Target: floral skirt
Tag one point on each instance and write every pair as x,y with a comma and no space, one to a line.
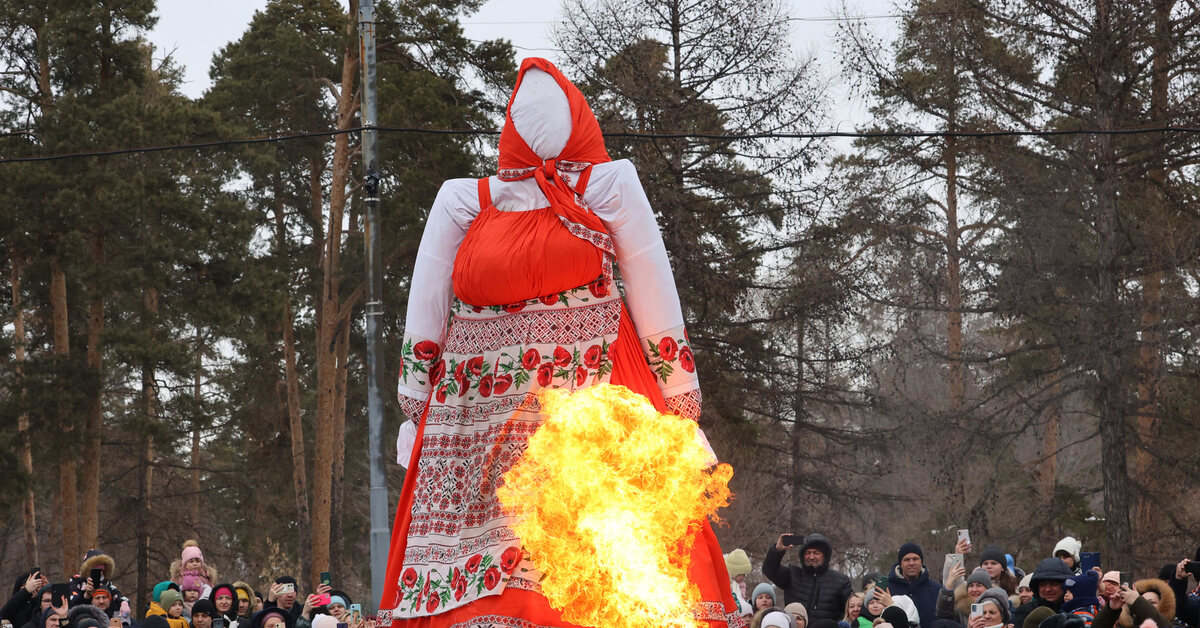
452,545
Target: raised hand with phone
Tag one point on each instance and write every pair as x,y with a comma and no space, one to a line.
813,583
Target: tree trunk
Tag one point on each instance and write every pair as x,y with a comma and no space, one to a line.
1047,472
295,421
146,476
1113,462
795,511
28,509
338,493
94,426
331,317
1150,366
197,381
954,301
67,482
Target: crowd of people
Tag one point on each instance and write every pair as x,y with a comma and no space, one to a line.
1059,593
984,590
193,597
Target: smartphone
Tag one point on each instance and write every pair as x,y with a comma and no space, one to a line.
792,539
322,600
1125,578
976,610
964,535
1193,567
1087,560
355,613
218,622
342,624
953,560
60,592
881,582
287,587
326,578
97,574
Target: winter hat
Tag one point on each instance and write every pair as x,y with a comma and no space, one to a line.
156,621
1037,616
321,620
163,586
86,616
796,608
46,615
737,563
1111,576
773,619
191,551
909,607
980,576
260,618
993,552
763,587
909,548
337,599
102,592
1025,582
999,597
1082,586
818,542
1070,546
191,583
895,616
1051,570
169,597
204,606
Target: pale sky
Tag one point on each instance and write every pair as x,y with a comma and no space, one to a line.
193,31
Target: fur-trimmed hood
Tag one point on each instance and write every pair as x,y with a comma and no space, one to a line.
1166,602
245,586
96,559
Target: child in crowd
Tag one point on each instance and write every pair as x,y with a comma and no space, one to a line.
191,563
172,601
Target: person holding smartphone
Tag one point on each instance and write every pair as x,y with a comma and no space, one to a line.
1048,589
823,591
1140,608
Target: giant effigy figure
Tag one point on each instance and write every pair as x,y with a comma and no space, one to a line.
513,293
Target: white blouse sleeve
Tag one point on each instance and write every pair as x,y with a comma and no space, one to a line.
615,193
431,291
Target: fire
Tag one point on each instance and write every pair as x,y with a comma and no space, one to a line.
607,498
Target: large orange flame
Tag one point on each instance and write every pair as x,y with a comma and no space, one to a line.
607,499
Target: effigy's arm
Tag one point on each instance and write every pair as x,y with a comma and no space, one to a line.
431,293
616,195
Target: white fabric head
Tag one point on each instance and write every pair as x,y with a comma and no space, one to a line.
776,619
541,114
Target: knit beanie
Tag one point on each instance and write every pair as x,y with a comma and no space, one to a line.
169,597
321,620
993,552
999,597
1070,546
1082,586
737,563
190,552
1111,576
337,599
909,548
160,587
773,619
980,576
102,592
205,606
763,587
190,583
1025,582
895,616
796,608
1037,616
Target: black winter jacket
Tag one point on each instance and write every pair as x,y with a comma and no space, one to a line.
822,591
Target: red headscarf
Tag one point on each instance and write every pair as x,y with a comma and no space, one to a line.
584,147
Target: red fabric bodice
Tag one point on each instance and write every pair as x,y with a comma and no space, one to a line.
508,257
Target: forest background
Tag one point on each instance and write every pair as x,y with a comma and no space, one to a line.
897,337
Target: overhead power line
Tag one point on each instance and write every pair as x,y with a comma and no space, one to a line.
632,135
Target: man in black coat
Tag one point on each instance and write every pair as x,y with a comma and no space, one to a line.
1048,589
821,590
